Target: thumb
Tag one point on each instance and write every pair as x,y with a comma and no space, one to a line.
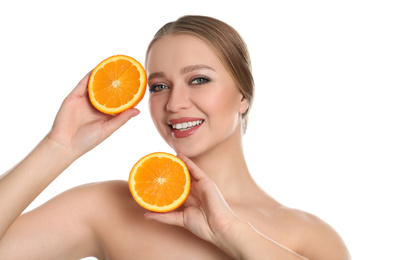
119,120
170,218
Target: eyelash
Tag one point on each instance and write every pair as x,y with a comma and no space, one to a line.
154,88
205,80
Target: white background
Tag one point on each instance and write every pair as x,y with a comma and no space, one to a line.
321,133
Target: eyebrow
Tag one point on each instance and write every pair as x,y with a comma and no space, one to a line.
184,70
156,75
195,67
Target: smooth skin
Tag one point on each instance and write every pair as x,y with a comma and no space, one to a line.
226,216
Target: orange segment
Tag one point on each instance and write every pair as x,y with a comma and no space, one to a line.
160,182
116,84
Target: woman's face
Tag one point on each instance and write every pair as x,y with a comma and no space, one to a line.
194,102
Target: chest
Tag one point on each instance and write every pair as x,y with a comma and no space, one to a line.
159,241
125,234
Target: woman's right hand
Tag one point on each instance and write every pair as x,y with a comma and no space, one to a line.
79,127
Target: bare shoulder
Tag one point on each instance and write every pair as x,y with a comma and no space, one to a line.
98,203
107,190
67,225
316,239
93,196
123,232
116,220
106,199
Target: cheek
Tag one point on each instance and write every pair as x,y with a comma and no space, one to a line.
151,107
155,109
222,104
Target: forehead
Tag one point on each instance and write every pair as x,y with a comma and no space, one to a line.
178,51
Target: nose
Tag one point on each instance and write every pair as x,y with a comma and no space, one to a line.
178,99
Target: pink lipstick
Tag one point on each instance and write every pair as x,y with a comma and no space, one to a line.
184,127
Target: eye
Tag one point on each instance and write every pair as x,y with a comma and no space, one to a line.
157,88
200,80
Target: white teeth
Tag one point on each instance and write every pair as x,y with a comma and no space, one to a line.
186,125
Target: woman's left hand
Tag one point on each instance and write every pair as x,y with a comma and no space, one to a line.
206,213
208,216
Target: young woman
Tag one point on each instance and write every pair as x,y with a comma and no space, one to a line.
198,71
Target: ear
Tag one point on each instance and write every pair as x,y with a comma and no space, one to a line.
243,105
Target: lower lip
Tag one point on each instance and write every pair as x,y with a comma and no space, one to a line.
186,133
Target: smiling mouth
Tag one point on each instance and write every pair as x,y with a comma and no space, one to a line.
186,125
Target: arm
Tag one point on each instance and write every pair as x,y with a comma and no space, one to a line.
208,216
78,128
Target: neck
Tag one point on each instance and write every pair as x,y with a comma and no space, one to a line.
227,166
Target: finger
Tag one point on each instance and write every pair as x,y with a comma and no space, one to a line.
117,121
194,170
82,86
171,218
211,190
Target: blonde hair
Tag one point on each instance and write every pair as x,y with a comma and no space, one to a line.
226,42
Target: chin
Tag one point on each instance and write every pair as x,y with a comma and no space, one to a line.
189,151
